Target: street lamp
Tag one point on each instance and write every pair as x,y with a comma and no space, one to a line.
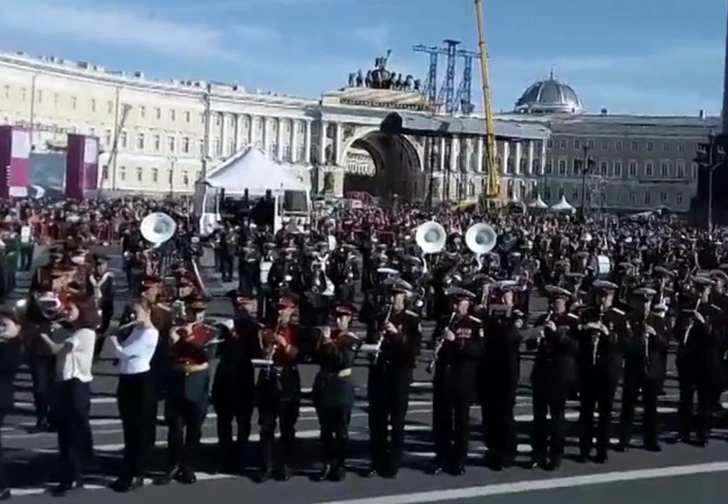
586,164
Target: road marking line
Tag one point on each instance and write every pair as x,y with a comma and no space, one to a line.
540,484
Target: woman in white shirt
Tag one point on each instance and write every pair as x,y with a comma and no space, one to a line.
135,395
74,358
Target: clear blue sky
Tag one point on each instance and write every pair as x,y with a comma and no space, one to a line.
647,56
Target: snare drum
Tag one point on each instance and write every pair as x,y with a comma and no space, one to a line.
602,265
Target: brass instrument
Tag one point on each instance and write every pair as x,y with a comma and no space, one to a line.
542,333
376,347
438,345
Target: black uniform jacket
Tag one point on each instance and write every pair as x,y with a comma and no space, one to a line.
644,357
456,370
554,366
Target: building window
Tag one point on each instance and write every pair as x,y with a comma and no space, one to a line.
140,141
634,146
105,172
109,107
562,144
155,175
231,147
680,147
22,94
603,167
664,170
680,170
157,143
201,147
74,102
140,174
577,144
631,197
562,167
618,145
123,139
186,145
188,117
648,198
650,146
172,115
605,145
157,113
574,195
122,173
171,144
185,179
679,198
549,142
590,144
39,96
693,170
92,105
549,166
107,138
618,169
663,197
216,147
649,169
142,111
286,153
218,119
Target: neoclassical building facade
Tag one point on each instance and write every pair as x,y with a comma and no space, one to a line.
157,137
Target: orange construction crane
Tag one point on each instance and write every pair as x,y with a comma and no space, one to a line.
492,189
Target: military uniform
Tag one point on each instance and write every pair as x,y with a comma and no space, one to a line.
333,396
455,388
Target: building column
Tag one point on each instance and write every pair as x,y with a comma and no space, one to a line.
505,158
529,168
442,155
480,152
253,133
518,157
266,135
322,142
454,168
210,137
238,132
224,136
294,141
338,145
279,139
307,143
542,168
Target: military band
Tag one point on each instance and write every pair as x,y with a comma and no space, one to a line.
601,331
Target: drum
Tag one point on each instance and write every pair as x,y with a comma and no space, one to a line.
265,267
601,265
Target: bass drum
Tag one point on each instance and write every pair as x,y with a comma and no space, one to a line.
602,266
265,267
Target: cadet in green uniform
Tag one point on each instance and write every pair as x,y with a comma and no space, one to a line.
333,391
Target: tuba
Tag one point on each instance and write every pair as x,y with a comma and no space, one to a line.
480,240
158,228
431,238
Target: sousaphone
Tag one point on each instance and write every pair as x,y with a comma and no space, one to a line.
158,228
480,240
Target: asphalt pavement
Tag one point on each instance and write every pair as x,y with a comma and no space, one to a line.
678,474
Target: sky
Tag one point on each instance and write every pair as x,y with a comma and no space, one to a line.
630,56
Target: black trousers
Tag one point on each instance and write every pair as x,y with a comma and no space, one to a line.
631,389
138,411
549,434
75,445
186,409
690,386
226,266
271,412
595,396
42,371
387,406
450,414
4,483
499,423
334,423
240,410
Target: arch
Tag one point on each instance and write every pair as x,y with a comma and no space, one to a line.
398,165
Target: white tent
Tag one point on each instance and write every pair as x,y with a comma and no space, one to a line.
538,203
251,169
562,206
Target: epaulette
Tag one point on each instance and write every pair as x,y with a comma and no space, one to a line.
410,312
476,319
573,315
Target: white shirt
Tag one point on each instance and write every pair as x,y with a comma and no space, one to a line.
77,356
135,353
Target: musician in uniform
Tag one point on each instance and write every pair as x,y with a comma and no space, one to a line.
552,377
278,389
697,363
457,355
233,387
390,377
599,363
499,375
645,341
719,297
101,284
333,391
187,390
11,352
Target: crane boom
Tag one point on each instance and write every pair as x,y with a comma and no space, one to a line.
492,189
